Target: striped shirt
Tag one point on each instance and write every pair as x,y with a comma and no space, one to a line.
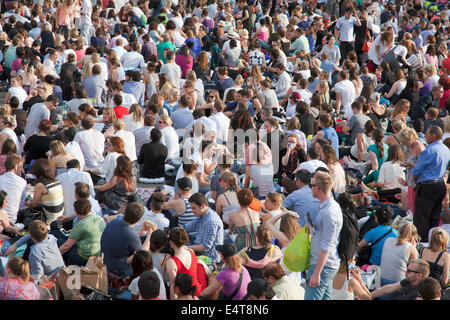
187,216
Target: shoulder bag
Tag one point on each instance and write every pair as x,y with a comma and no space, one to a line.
367,42
366,251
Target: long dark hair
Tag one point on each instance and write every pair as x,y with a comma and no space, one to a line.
142,261
378,136
123,171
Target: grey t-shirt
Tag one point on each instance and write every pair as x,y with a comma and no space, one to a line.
356,124
38,113
270,98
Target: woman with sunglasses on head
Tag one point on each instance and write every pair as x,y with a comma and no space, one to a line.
227,202
295,154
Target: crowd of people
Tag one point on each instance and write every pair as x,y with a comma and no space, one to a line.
189,143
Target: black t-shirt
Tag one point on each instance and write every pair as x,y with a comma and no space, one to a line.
408,292
256,254
36,147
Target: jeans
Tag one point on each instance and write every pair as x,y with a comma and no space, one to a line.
324,289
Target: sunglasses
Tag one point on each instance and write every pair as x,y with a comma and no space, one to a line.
409,270
312,185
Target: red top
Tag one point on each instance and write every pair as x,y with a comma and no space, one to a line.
192,271
121,111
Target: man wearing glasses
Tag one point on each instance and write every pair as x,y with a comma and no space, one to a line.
325,261
406,289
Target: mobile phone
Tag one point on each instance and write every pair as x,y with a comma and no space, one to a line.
64,232
351,266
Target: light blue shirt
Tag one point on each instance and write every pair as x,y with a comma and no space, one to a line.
432,162
302,201
325,233
45,257
181,118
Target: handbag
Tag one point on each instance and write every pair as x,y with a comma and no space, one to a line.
298,253
26,216
367,43
366,251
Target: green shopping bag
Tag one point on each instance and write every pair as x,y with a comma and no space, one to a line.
297,255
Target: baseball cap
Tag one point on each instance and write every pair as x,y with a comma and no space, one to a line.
296,96
184,184
227,250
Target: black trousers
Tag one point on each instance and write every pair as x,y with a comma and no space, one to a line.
345,48
428,207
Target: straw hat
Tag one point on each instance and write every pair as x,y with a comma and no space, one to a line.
243,33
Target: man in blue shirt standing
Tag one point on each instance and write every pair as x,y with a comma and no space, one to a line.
325,261
429,173
207,225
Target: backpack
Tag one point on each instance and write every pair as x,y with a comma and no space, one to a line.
348,237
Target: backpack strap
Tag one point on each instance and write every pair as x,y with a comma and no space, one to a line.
384,235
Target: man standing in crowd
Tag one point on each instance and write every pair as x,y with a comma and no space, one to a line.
325,261
429,173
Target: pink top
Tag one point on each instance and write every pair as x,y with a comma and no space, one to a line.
184,64
433,60
263,35
15,289
64,15
16,64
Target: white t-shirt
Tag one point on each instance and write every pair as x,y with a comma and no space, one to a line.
20,93
348,95
134,289
373,53
389,174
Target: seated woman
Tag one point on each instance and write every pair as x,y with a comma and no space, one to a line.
364,139
84,238
327,132
227,280
390,173
115,148
244,221
16,284
328,156
353,288
260,172
6,225
272,207
120,188
58,158
8,147
397,126
227,202
37,145
180,207
48,192
295,154
382,232
400,112
108,118
256,257
397,87
184,260
378,154
437,256
153,156
134,120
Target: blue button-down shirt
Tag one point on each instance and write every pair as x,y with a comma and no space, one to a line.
432,162
325,235
302,202
137,89
209,230
45,257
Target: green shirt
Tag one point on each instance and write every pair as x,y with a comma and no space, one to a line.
10,55
87,233
163,45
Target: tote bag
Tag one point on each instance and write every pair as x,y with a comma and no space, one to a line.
297,255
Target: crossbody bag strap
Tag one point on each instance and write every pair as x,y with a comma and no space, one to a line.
384,235
238,287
